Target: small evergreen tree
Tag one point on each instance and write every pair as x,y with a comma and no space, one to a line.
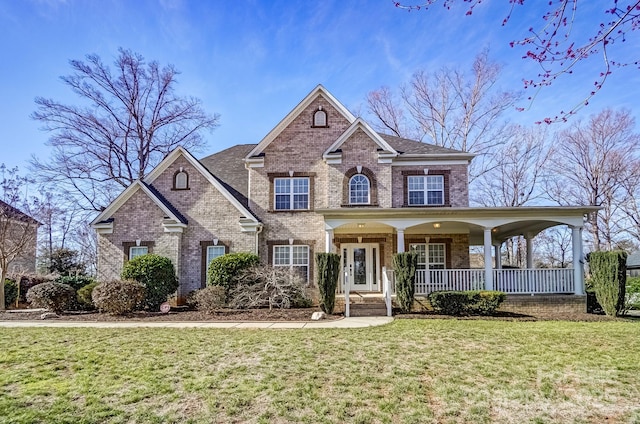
608,279
226,269
328,273
405,269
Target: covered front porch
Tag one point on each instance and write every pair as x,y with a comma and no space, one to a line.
367,238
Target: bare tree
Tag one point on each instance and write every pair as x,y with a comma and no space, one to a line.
554,248
449,109
518,169
130,119
18,230
592,162
554,44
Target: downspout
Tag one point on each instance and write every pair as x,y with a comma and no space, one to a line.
258,231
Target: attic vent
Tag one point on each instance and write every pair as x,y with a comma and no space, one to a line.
320,118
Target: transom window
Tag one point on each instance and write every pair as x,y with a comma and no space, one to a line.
359,190
135,251
425,190
431,255
294,256
291,193
214,252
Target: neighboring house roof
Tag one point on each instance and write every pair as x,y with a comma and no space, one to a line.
15,213
228,167
633,260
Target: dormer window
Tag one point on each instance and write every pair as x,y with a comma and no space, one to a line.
181,180
320,118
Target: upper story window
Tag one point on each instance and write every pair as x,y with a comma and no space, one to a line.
181,180
425,190
359,190
320,118
291,193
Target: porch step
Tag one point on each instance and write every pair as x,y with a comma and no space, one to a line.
368,309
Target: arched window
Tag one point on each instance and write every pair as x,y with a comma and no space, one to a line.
359,190
320,118
181,180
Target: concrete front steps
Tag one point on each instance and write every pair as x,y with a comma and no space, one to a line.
363,305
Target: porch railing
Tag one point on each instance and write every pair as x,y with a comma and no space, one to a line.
430,280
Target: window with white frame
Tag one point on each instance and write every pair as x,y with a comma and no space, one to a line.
181,180
135,251
320,118
425,190
295,257
214,252
431,255
359,190
291,193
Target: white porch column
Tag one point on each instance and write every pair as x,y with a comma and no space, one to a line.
529,240
328,246
400,239
498,255
578,271
488,266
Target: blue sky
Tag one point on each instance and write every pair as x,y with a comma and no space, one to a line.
253,61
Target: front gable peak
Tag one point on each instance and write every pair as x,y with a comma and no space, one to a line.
256,154
386,153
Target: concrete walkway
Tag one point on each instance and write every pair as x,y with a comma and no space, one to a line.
358,322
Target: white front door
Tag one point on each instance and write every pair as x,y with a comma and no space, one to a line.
361,266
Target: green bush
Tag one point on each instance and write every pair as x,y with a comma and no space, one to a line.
209,299
77,282
608,279
10,292
225,270
328,274
84,295
27,281
56,297
405,271
472,302
632,293
158,276
118,297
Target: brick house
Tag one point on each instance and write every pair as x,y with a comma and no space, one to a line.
19,234
324,180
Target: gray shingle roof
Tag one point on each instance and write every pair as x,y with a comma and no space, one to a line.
228,168
407,146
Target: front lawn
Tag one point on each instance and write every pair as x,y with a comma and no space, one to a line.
409,371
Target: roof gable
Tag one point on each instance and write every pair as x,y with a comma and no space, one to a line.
291,116
359,124
219,185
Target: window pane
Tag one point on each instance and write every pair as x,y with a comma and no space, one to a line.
283,201
420,249
300,201
415,183
301,185
434,198
300,255
437,256
281,255
138,251
214,252
435,182
416,197
181,180
282,185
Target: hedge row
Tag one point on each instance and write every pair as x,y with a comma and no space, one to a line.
472,302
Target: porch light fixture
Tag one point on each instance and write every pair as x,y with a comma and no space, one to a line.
361,225
436,225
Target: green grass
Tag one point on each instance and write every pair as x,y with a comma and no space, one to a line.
411,371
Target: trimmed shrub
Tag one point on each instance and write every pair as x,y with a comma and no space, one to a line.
27,281
265,286
225,270
608,279
328,274
209,299
77,282
56,297
84,295
472,302
405,270
118,297
10,292
158,276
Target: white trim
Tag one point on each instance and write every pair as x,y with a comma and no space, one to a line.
428,162
388,152
318,91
